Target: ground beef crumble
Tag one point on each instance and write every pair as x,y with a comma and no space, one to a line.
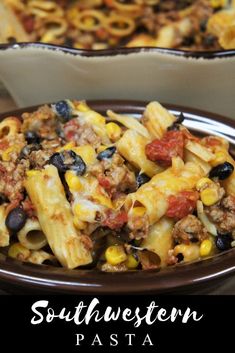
42,121
223,214
114,175
189,229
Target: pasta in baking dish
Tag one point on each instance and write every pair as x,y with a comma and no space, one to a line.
100,24
80,189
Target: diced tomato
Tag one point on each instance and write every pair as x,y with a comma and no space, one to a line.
101,33
104,182
162,151
28,23
70,129
115,220
182,204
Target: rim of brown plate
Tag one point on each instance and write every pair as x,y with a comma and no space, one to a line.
120,51
80,281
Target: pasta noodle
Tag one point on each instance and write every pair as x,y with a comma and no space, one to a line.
160,239
100,24
157,119
31,236
55,218
112,192
40,256
132,147
4,233
153,195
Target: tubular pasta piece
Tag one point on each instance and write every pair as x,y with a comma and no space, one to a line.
200,151
210,227
129,122
89,198
40,256
170,35
58,27
44,9
157,119
125,25
9,127
55,217
159,239
154,194
191,157
221,20
141,40
227,37
122,6
16,5
89,20
132,147
31,235
166,37
10,27
4,233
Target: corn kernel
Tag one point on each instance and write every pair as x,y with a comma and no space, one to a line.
131,262
18,251
73,181
114,131
209,196
79,224
66,147
206,247
220,157
138,211
6,154
202,183
32,172
84,213
115,255
87,153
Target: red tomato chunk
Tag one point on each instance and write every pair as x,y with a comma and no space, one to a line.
70,129
104,182
182,204
115,220
28,23
162,151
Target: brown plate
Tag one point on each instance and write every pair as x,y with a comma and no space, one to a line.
196,277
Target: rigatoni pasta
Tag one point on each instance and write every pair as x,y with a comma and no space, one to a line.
55,217
80,189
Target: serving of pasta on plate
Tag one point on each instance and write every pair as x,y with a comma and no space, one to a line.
201,25
80,189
